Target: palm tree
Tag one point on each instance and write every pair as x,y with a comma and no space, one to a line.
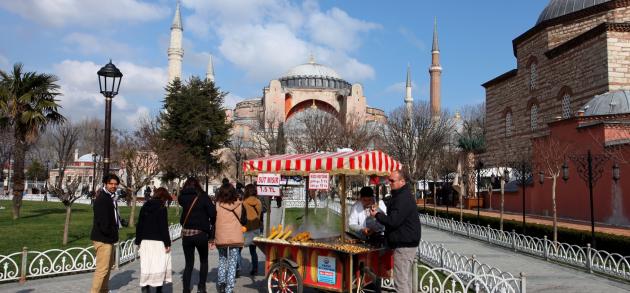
27,106
471,141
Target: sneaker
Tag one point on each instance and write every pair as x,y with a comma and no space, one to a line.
221,287
238,274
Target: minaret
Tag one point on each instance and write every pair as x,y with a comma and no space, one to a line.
435,71
210,70
408,97
175,50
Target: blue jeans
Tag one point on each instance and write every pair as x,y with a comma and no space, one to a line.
228,257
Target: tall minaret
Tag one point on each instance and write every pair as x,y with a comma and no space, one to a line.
408,97
435,71
175,50
210,70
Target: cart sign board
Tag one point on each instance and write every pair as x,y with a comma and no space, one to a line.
326,269
268,190
268,184
268,179
318,181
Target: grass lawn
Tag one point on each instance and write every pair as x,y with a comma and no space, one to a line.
322,219
40,226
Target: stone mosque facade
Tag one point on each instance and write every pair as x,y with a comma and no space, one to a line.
577,51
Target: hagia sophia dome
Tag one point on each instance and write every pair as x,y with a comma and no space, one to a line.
313,75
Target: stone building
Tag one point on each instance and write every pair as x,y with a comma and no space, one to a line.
302,87
576,50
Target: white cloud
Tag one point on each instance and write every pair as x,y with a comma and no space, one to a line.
85,12
336,29
265,38
81,99
87,44
263,51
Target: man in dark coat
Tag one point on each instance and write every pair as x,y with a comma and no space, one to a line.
402,229
104,234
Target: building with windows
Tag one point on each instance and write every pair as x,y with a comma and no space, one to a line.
571,84
576,50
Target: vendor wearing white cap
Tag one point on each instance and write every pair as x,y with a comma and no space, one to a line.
360,221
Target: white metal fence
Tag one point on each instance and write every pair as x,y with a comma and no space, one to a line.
592,260
29,264
448,271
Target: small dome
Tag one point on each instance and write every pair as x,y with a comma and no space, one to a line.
617,102
87,158
311,69
557,8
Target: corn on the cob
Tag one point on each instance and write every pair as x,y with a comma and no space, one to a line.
286,235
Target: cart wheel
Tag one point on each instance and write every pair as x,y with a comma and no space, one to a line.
283,278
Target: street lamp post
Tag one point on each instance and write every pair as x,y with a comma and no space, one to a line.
479,167
207,166
524,172
46,183
590,168
238,165
109,78
94,155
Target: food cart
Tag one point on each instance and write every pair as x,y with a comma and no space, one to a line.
340,263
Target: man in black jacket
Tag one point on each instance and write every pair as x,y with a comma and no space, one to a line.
402,229
105,232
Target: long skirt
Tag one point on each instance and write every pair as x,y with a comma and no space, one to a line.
155,264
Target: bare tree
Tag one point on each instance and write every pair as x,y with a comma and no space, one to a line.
550,156
267,135
415,140
354,133
68,196
313,130
64,139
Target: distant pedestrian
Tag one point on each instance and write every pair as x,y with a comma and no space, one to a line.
154,239
254,208
104,234
402,230
231,217
197,220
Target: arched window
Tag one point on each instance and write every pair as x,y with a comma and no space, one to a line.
533,76
566,106
508,124
533,112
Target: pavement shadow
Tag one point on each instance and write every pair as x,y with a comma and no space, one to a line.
121,279
25,291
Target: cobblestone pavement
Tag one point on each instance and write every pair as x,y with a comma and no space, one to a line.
542,276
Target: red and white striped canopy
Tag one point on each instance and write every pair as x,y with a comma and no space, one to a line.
351,163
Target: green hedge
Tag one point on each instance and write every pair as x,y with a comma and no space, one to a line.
608,242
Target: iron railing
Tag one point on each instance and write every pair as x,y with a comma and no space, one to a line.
587,258
29,264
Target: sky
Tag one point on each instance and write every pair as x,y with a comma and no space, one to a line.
255,41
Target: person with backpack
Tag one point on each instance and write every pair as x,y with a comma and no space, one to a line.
231,217
253,206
